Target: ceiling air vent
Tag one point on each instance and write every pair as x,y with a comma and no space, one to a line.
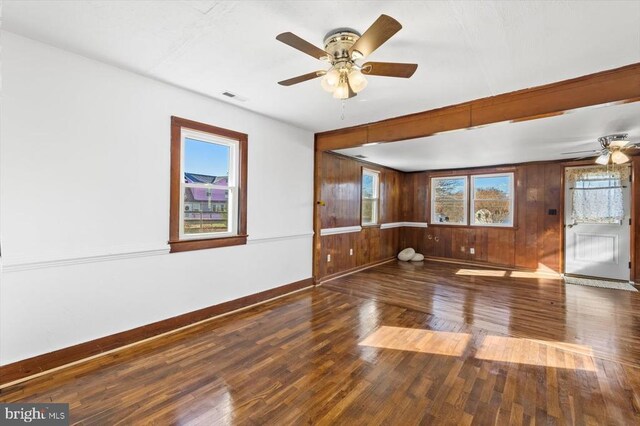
233,96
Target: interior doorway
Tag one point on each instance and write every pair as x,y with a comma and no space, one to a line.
597,221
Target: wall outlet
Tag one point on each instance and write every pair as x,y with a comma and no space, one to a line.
350,252
472,251
328,258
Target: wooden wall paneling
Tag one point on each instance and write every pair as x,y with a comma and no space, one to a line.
501,246
390,188
553,231
340,191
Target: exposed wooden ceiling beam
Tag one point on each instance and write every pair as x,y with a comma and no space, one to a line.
611,86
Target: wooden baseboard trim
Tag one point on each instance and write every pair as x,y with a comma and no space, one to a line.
353,270
23,370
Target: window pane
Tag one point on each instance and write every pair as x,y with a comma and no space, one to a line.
449,188
205,162
206,210
367,185
492,211
369,211
492,187
449,211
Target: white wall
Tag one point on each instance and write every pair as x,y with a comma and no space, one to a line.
84,203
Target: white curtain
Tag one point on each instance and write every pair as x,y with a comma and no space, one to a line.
596,193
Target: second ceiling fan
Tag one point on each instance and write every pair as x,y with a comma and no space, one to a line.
343,48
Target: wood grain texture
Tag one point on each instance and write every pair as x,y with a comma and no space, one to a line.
534,242
616,85
339,186
397,344
40,363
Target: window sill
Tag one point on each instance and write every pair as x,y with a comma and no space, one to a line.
207,243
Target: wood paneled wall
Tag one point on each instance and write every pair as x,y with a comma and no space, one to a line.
340,180
535,241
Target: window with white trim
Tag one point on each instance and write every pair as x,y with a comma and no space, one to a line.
492,199
449,200
370,197
209,185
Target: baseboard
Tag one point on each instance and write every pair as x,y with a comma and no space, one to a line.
354,270
21,370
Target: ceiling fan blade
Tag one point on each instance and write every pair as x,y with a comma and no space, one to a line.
301,78
302,45
594,151
379,32
389,69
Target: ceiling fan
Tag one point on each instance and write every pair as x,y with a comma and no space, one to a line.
343,48
611,151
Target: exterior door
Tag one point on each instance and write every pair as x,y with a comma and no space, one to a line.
597,221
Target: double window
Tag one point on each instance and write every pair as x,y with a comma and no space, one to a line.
208,186
370,197
488,203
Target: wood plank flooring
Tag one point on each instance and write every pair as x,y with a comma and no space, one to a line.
397,344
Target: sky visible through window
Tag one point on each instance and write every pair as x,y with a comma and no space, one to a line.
500,183
367,186
205,158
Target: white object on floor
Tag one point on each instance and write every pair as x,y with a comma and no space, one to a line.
406,254
616,285
417,257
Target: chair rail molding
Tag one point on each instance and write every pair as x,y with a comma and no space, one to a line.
341,230
404,224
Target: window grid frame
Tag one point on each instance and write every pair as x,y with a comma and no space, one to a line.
376,197
472,200
465,201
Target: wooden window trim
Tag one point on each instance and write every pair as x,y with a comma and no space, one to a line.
177,245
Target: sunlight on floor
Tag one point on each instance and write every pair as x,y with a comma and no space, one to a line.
481,273
513,274
536,352
417,340
492,348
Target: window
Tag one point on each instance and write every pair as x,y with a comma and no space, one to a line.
492,200
208,186
370,196
449,200
596,194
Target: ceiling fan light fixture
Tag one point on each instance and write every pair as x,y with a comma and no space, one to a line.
342,91
357,80
330,80
619,157
603,159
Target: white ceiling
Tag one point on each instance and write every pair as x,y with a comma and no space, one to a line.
465,50
506,143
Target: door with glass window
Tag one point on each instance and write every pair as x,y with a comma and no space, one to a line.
597,215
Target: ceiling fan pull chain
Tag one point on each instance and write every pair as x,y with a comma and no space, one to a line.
342,113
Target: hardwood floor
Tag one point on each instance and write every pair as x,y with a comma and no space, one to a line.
397,344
